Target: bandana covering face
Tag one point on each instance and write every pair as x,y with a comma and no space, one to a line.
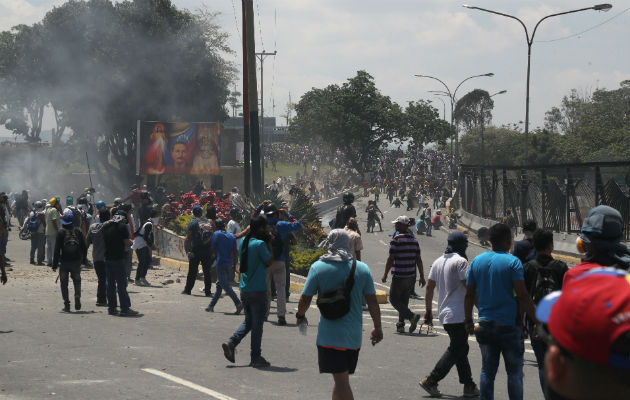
338,243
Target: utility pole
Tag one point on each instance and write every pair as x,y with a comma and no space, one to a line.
253,97
246,143
261,57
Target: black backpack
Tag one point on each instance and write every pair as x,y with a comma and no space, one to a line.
335,303
71,247
206,230
545,282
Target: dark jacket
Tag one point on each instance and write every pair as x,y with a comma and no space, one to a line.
66,259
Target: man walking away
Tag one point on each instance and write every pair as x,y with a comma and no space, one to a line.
587,329
543,275
143,242
524,249
70,252
95,237
448,274
255,251
36,225
52,227
404,258
493,278
198,248
224,246
116,237
339,340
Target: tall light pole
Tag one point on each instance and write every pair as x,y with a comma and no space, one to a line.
483,127
261,57
443,106
530,41
451,95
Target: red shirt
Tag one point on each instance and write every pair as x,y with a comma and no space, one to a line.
578,270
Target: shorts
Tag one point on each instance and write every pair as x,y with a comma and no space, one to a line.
336,361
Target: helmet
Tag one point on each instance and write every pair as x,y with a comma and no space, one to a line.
219,223
117,201
235,189
348,198
270,209
38,204
100,204
234,212
67,218
69,200
52,201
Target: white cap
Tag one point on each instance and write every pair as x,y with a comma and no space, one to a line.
403,219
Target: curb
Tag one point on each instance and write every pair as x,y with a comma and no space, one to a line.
381,295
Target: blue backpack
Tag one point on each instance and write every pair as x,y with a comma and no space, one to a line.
33,223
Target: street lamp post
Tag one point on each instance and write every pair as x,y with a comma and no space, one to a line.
451,96
530,41
483,126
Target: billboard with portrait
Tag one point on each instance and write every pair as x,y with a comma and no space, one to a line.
178,148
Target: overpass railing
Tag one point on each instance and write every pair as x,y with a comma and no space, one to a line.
557,196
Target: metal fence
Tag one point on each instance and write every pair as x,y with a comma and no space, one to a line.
557,197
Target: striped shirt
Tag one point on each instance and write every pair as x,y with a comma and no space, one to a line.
405,249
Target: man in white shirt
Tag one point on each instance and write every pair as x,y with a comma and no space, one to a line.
448,274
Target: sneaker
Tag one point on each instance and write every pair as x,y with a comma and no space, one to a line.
471,390
100,303
40,263
32,262
430,387
77,303
400,328
208,294
260,362
128,313
239,308
185,292
112,312
210,309
414,323
66,308
146,283
282,321
229,351
138,282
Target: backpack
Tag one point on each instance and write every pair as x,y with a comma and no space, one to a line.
71,247
545,283
335,303
277,244
33,223
76,217
205,233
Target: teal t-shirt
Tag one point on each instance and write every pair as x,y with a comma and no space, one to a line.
344,332
493,273
255,279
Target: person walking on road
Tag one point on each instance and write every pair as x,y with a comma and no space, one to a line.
524,249
52,227
339,340
70,253
448,275
143,243
35,223
493,278
95,237
198,248
224,246
404,258
256,257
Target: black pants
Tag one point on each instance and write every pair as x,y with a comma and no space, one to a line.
144,261
399,293
101,275
75,273
206,261
38,243
456,354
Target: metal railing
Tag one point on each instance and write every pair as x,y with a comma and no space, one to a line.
557,196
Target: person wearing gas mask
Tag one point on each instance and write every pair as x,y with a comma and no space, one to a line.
143,242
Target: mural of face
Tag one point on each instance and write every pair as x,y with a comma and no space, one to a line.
179,153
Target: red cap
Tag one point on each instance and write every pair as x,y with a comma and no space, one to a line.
590,314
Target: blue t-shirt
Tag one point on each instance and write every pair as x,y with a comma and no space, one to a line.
344,332
224,242
284,228
255,279
493,273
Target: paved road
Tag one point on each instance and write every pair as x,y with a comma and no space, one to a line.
173,350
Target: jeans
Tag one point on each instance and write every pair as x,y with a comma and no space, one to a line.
456,354
144,261
4,239
50,247
206,261
117,282
277,272
101,275
429,227
399,293
223,283
38,243
74,270
495,339
255,306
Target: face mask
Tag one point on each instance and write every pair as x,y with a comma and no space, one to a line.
155,221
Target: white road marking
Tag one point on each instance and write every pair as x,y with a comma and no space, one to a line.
188,384
383,243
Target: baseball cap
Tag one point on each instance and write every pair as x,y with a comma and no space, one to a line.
603,222
67,219
403,219
590,314
219,223
271,209
197,209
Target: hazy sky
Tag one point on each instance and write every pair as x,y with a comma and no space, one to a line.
326,41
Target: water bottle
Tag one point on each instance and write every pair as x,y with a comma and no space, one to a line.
303,327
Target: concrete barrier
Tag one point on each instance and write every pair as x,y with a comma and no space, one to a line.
170,245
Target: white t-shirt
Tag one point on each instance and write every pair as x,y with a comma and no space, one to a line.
233,227
448,272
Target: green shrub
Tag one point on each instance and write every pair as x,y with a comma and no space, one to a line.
179,224
302,258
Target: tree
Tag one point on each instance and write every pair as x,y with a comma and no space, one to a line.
354,117
423,124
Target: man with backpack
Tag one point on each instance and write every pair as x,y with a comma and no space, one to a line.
198,248
281,224
95,237
524,249
543,275
70,252
36,225
345,211
143,242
